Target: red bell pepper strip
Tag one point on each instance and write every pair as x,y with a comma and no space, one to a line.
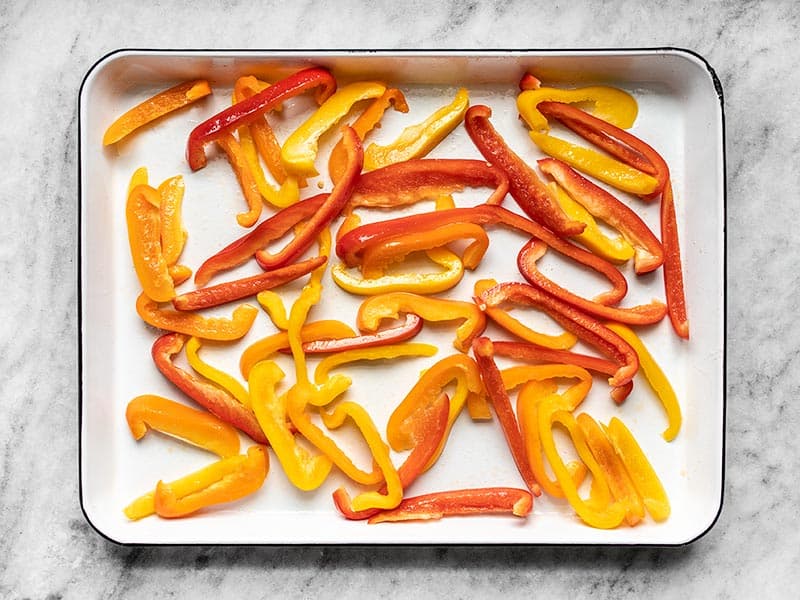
216,400
243,249
328,211
243,288
250,109
530,192
644,314
408,329
648,254
673,275
498,397
480,501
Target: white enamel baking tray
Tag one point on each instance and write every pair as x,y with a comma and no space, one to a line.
680,113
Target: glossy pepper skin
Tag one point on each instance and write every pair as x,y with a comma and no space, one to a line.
144,237
250,109
220,378
673,271
173,235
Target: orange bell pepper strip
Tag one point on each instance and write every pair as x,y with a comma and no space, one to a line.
144,237
196,427
189,323
408,329
365,123
139,177
247,181
155,107
173,235
214,399
375,309
272,302
221,482
673,274
222,379
417,140
498,397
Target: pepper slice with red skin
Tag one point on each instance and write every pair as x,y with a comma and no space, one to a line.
408,329
250,109
673,275
530,192
216,400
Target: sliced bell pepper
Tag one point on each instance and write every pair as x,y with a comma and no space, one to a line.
365,123
209,328
179,274
155,107
222,379
375,309
410,327
673,274
224,481
144,237
216,400
197,427
244,175
517,375
139,177
173,235
648,253
417,140
238,289
643,314
529,82
272,302
656,378
529,191
498,397
250,109
640,470
300,149
481,501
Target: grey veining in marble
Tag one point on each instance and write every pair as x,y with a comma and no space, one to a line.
47,549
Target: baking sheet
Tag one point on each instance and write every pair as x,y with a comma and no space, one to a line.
680,113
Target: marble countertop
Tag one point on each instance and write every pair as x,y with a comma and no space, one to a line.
48,549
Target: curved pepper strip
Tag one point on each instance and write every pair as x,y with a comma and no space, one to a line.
224,481
610,104
250,109
173,235
639,468
272,302
245,177
410,327
480,501
375,309
216,400
515,376
504,319
300,148
222,379
144,237
656,378
498,397
328,211
155,107
380,454
643,314
529,191
139,177
189,323
417,140
673,274
365,123
431,423
529,82
619,482
648,253
306,471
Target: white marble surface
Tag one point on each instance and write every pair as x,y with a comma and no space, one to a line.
47,549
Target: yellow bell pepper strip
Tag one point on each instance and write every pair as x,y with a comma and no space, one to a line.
222,379
525,186
272,302
155,107
247,182
144,237
365,123
602,513
673,274
431,423
656,378
619,482
238,289
210,328
300,149
417,140
610,104
498,397
643,314
197,427
173,235
478,407
408,329
328,211
375,309
639,468
251,109
224,481
417,283
648,252
502,318
380,454
462,503
139,177
305,470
